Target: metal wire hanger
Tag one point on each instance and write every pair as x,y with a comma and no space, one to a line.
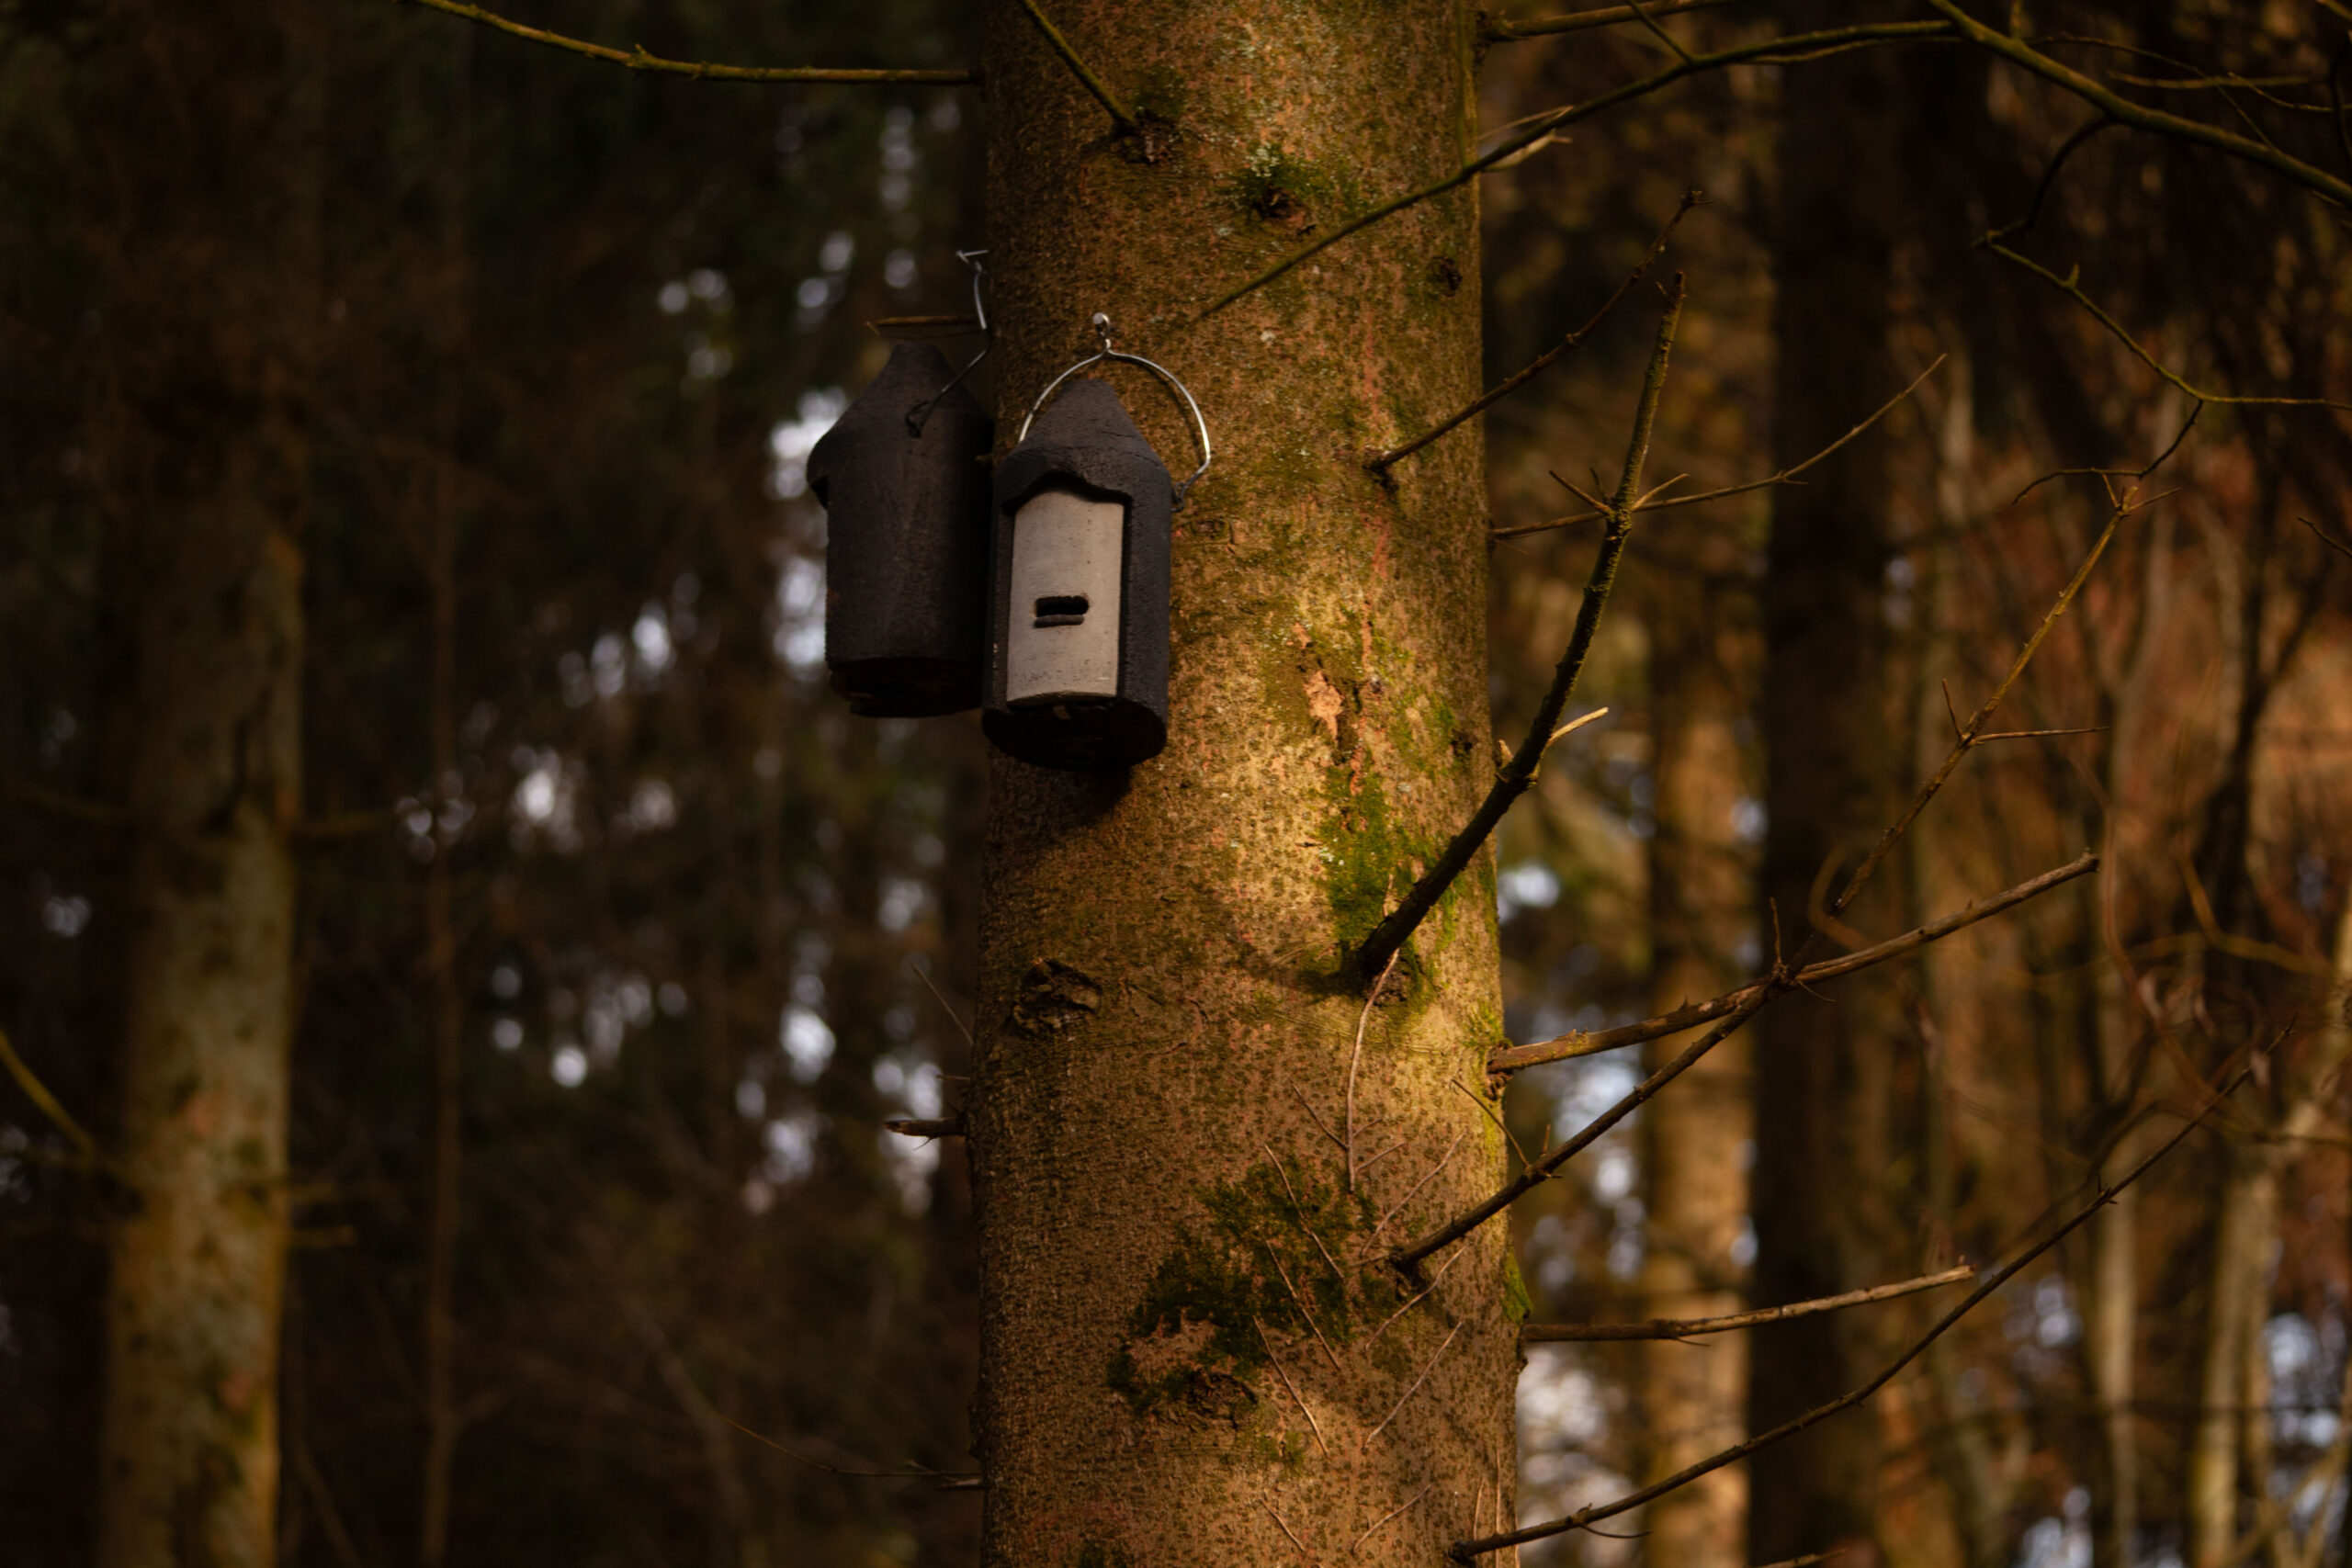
920,412
1101,324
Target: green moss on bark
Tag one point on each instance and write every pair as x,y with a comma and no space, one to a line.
1266,1263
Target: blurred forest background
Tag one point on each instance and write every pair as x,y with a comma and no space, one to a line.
583,834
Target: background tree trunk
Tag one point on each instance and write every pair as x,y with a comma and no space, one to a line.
213,301
1184,1358
1696,1139
1823,1084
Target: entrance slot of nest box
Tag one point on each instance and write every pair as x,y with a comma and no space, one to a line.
1067,553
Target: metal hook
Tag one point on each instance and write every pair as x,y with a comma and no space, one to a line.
916,416
1101,325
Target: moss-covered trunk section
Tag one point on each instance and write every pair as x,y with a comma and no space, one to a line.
211,308
1191,1351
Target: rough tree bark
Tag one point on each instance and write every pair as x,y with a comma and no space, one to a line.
1695,1140
1187,1352
210,306
1821,1090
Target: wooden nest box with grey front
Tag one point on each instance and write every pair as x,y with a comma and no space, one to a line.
902,476
1077,636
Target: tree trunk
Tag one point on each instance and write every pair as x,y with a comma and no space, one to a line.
1823,1086
211,302
1186,1347
1696,1138
2245,1219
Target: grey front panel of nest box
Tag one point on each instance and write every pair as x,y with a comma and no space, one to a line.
1063,639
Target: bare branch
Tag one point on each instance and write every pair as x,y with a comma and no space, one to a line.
948,1480
1409,1257
73,807
1086,78
2073,290
1462,1551
1690,1327
1357,1545
1970,732
926,1126
2338,545
1380,462
2196,409
1410,1391
2018,52
636,59
1497,31
1583,1043
1786,476
923,326
1390,935
1770,51
1355,1057
1280,1371
49,1106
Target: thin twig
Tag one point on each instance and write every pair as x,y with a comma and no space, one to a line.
1488,1111
2196,409
636,59
1408,1257
2073,290
73,807
1663,36
1312,1424
1286,1530
1690,1327
1511,1058
1499,31
1966,742
2138,116
1357,1545
1388,938
1542,127
948,1479
1381,462
1300,1302
1300,1209
1078,68
923,974
1416,1298
1462,1551
925,1126
49,1106
1409,1392
1355,1056
2338,545
1444,1160
1318,1117
1786,476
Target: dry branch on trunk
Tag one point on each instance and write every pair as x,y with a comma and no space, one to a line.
1080,69
1388,938
636,59
1465,1550
1784,978
1786,476
1691,1327
1380,462
1500,30
1779,50
1511,1058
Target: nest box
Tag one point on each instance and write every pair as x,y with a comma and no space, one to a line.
1078,630
903,477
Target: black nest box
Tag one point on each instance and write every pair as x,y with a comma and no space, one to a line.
1077,638
903,477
